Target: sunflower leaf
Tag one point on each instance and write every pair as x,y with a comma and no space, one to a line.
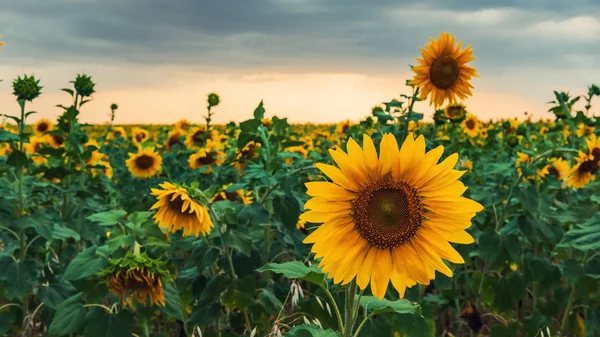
310,330
295,270
69,317
373,305
107,218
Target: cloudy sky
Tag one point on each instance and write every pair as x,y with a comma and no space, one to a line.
310,60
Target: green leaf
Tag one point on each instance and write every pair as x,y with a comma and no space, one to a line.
489,243
138,218
107,218
54,294
19,278
17,159
572,271
288,209
84,265
376,306
295,270
309,330
7,136
259,112
99,323
173,304
69,317
583,237
63,233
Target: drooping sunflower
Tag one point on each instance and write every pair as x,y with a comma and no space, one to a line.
584,171
136,277
557,168
443,70
456,112
179,209
140,135
237,195
42,126
207,157
388,217
145,163
470,126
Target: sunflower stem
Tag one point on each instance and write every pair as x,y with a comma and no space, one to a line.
338,315
349,313
362,324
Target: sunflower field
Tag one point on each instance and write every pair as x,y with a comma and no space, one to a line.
392,226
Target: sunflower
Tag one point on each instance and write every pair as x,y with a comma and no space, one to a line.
182,125
173,138
543,131
267,122
593,145
389,217
117,132
196,138
455,112
558,168
583,172
5,149
33,147
178,209
298,150
140,135
224,194
248,152
136,277
145,163
470,126
467,164
207,157
56,140
584,130
443,71
42,126
522,158
342,127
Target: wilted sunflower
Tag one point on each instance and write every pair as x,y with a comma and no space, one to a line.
207,157
224,194
389,217
470,126
136,277
456,112
196,138
443,71
140,135
558,168
179,209
584,171
173,138
145,163
42,126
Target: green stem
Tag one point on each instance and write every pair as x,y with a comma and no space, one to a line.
338,315
563,323
349,313
267,243
362,324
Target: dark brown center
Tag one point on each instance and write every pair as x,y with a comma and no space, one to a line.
444,72
42,127
470,124
207,159
58,139
174,139
140,137
198,137
586,166
388,213
553,171
596,154
144,162
454,111
176,205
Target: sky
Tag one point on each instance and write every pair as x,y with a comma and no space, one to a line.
320,61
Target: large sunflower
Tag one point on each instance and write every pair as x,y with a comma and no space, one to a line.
388,218
443,70
145,163
42,126
177,209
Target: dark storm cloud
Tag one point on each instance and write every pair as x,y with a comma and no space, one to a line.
288,34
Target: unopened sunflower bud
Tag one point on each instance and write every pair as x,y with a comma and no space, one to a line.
213,99
84,85
26,88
